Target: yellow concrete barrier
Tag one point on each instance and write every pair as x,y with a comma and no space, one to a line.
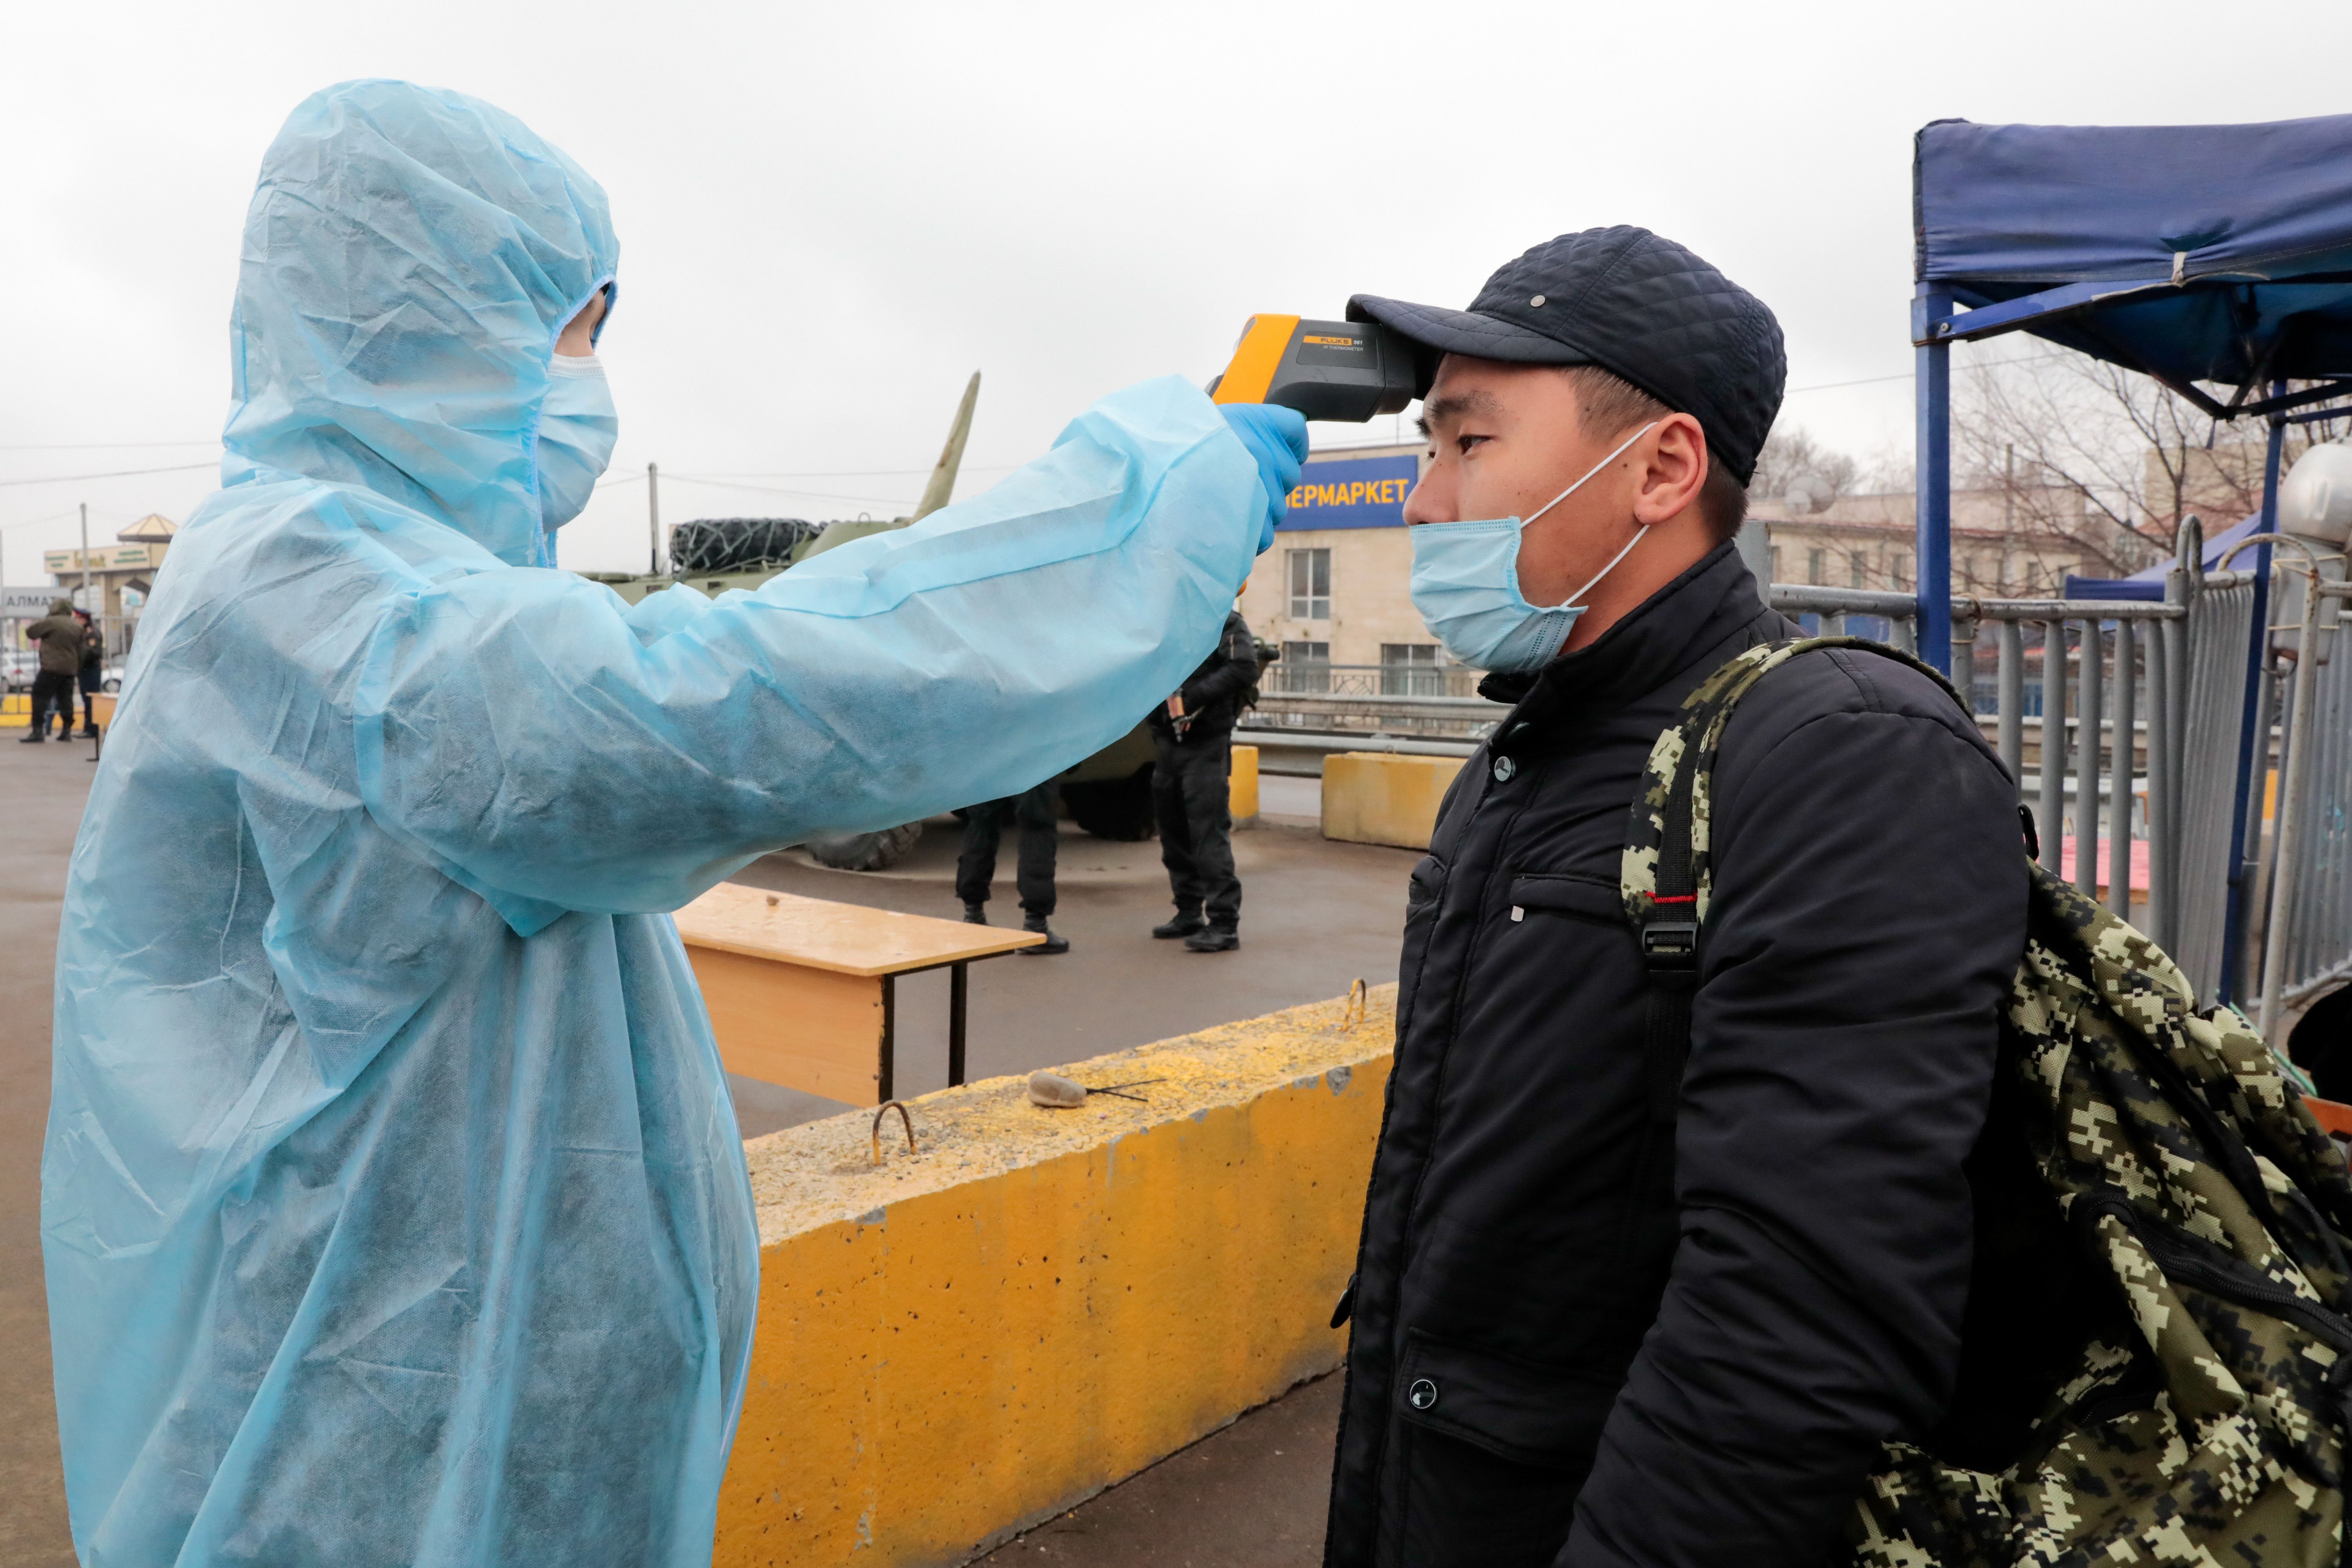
1243,792
963,1342
18,706
1384,797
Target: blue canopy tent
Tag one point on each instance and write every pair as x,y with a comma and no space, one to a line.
2150,585
2215,258
2219,255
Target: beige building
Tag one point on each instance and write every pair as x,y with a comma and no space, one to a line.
1869,541
129,564
1335,590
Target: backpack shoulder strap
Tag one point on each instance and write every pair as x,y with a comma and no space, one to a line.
1667,872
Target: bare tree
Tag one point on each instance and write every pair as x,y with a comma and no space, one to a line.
2102,460
1890,471
1791,456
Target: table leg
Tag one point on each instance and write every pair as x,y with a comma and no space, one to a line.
956,994
889,1073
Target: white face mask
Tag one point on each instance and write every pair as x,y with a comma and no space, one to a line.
578,428
1465,583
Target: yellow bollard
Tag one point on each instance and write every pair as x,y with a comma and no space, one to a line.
1242,790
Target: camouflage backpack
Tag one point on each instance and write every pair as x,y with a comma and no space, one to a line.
2188,1174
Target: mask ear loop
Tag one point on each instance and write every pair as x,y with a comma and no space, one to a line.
1569,603
1608,569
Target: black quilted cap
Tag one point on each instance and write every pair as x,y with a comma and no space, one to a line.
1638,306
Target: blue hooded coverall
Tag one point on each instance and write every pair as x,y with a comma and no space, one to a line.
393,1210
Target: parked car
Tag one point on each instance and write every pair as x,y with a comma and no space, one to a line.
18,667
111,677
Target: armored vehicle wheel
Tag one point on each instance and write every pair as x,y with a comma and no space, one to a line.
865,851
1118,809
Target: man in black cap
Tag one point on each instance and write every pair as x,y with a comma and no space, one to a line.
1587,1331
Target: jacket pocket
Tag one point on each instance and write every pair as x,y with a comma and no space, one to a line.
1522,1410
1421,893
1567,893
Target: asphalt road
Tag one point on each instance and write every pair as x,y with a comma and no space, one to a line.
1314,917
43,786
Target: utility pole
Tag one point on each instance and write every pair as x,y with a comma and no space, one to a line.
85,556
2007,515
653,516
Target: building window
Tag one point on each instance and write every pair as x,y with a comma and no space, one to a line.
1410,670
1310,584
1816,565
1860,572
1304,667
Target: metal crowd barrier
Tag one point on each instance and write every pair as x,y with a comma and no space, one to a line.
1318,677
2320,934
2107,699
2301,878
2199,770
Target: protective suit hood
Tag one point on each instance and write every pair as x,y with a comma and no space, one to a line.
409,258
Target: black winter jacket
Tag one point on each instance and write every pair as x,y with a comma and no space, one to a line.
1212,693
1580,1341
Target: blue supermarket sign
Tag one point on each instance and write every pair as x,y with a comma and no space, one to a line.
1352,492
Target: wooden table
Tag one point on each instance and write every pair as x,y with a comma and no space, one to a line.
803,991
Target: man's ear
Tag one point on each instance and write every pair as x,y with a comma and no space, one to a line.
1674,470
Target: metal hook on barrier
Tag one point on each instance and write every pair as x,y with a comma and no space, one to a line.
1118,1090
905,1119
1360,998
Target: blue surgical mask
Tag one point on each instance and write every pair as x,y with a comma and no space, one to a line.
1465,583
577,430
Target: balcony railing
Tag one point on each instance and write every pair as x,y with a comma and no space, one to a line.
1304,677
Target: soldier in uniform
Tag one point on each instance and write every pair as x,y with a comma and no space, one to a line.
1039,827
1192,762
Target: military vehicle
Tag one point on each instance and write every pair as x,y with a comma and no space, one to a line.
1109,795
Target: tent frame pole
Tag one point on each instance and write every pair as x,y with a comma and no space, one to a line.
2253,750
1933,392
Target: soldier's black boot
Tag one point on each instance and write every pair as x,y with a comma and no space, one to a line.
1050,946
975,914
1213,939
1182,925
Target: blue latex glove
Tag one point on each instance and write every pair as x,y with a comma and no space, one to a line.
1276,438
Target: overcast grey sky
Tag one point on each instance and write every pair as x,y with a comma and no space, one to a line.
830,215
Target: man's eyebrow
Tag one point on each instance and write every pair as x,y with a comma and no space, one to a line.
1456,404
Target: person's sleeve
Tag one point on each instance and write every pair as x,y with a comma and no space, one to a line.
1869,912
555,750
1236,668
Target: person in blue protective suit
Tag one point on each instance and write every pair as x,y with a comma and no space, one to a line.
393,1211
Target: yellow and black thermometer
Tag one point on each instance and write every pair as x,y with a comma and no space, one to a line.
1350,370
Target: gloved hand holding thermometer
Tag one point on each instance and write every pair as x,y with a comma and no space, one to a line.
1288,370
